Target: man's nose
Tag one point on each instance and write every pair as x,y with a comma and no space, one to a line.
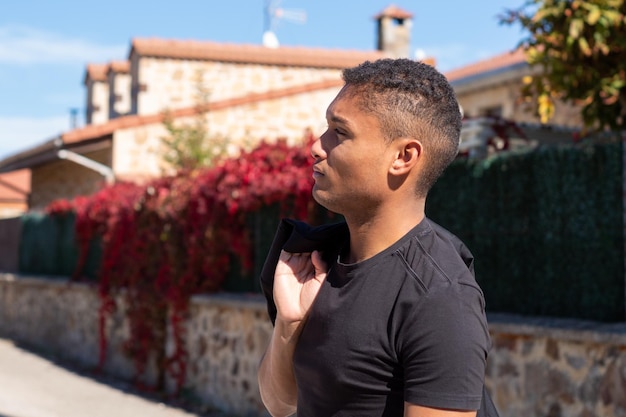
317,150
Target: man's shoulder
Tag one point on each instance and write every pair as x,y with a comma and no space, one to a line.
434,254
450,244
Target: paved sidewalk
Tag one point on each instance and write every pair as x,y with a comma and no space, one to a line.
32,386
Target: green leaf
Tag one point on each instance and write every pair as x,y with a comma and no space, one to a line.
584,46
576,27
614,16
594,15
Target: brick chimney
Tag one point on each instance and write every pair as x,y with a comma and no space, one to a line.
394,31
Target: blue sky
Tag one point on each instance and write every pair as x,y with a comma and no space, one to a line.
45,45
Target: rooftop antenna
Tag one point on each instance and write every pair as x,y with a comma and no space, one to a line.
73,118
273,14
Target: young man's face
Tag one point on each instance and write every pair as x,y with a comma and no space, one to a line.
352,159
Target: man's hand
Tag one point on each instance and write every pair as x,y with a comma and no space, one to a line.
297,280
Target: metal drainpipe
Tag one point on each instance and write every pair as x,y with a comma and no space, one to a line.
102,169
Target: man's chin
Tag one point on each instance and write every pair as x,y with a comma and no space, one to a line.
323,199
318,196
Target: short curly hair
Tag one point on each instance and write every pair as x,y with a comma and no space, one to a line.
412,99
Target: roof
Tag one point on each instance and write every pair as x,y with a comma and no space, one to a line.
96,72
96,136
238,53
120,67
496,63
394,12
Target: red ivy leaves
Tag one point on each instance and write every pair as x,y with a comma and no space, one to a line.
165,241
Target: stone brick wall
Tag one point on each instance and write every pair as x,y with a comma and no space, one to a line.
557,368
537,367
137,150
161,84
97,102
61,318
119,94
66,178
227,335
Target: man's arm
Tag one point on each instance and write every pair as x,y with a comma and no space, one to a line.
412,410
297,281
277,382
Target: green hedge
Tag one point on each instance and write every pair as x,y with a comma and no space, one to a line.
545,226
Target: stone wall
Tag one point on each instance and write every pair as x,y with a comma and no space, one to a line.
97,102
66,178
138,150
227,335
119,94
537,367
161,84
557,368
61,319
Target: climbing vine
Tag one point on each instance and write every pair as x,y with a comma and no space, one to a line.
176,236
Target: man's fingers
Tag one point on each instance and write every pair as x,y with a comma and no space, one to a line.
318,262
297,264
285,256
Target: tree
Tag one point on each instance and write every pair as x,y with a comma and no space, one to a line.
580,47
191,146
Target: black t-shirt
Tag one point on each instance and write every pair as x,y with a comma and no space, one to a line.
405,325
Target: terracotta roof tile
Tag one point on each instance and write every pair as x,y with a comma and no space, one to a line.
284,55
96,72
120,67
395,12
494,63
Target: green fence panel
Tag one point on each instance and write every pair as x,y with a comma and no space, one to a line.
545,226
38,245
48,247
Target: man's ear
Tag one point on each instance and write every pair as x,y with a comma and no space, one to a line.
408,154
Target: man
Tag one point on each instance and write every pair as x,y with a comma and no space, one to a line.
382,315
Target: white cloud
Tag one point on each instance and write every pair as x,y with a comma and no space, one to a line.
21,133
26,45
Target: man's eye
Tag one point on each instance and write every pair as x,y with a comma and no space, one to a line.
340,132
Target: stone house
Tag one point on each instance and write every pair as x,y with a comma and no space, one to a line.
492,87
254,93
496,115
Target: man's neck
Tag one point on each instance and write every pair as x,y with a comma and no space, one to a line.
370,235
